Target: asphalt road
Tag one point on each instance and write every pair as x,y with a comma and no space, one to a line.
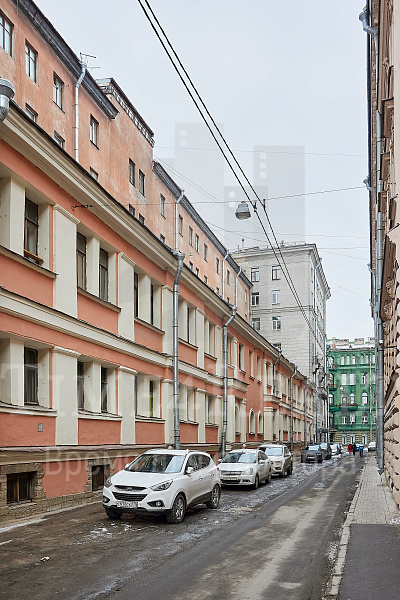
275,542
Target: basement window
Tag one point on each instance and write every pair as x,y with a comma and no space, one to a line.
98,477
19,487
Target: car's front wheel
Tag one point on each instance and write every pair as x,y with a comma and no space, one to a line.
256,482
283,474
214,498
268,480
112,514
303,460
290,470
177,512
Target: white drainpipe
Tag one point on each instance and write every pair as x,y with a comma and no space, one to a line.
236,286
76,128
225,399
177,219
291,408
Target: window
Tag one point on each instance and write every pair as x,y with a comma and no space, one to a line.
19,487
132,172
344,420
352,399
196,242
135,295
276,273
276,323
6,31
58,90
348,359
241,357
98,477
103,383
190,236
132,210
151,398
364,378
228,277
364,418
361,360
151,304
103,275
141,182
162,238
31,228
190,265
352,419
30,62
331,400
342,360
94,174
255,299
217,265
245,296
352,378
197,272
81,261
366,359
141,219
94,131
30,376
276,297
59,140
32,114
251,363
80,382
180,225
344,379
256,324
364,398
162,205
205,252
255,274
217,290
353,360
344,401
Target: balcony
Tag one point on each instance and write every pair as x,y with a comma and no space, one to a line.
353,406
332,388
333,408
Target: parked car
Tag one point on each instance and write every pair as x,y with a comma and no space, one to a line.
326,450
372,447
282,459
245,467
312,453
336,449
163,482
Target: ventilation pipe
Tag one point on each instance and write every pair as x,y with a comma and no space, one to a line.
175,326
225,400
76,128
7,92
305,411
236,285
291,408
177,220
223,274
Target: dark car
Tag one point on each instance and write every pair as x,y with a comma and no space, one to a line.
312,453
326,450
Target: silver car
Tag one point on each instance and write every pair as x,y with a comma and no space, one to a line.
282,459
245,467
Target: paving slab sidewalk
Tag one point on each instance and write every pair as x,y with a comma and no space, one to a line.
368,561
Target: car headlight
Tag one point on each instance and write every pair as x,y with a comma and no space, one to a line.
160,487
248,471
108,482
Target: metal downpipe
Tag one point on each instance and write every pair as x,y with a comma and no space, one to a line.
291,408
175,327
7,92
274,370
177,220
76,128
223,275
225,399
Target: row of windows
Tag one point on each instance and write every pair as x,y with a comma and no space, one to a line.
276,323
255,273
350,378
255,298
352,419
350,400
351,359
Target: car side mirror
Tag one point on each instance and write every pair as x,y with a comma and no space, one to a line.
220,460
127,465
189,470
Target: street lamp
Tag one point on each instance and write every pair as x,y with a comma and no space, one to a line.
243,211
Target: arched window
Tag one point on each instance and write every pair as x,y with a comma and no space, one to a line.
366,359
364,418
344,400
342,360
352,399
252,422
260,429
348,359
353,360
361,360
364,398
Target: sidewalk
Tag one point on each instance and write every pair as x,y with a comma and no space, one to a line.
368,561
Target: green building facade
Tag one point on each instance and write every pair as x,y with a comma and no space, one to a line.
351,390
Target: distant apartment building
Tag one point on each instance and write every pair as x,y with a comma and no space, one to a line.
351,391
298,331
89,229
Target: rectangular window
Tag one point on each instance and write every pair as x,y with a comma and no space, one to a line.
30,62
256,324
205,252
6,31
196,243
151,398
190,265
276,273
197,272
81,261
19,487
151,304
364,378
58,90
30,376
141,219
59,140
180,225
141,182
32,114
132,210
103,383
278,345
217,265
276,297
344,379
162,205
94,131
131,172
276,323
135,295
103,275
80,383
162,238
94,174
352,419
205,279
241,357
344,420
31,228
251,363
255,299
98,477
255,274
190,236
228,277
352,379
364,419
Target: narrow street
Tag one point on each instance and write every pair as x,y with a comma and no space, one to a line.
278,541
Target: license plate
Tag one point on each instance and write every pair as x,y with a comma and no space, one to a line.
126,504
229,478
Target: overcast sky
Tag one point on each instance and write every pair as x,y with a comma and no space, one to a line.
274,72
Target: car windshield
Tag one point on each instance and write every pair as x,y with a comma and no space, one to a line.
313,448
324,445
273,451
157,463
240,457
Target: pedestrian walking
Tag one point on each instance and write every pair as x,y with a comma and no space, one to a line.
361,449
354,448
350,448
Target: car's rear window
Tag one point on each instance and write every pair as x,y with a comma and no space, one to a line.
313,448
157,463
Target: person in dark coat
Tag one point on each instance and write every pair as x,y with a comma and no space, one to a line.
354,449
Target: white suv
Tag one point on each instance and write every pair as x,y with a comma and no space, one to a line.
163,481
282,460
